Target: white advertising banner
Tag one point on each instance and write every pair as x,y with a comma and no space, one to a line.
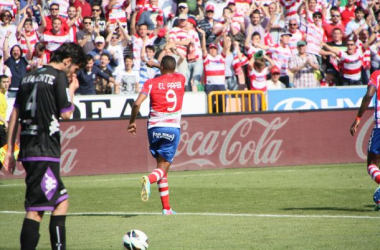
117,106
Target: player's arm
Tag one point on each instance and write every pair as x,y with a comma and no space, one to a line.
21,24
9,160
225,45
371,90
74,85
132,128
43,24
203,41
334,50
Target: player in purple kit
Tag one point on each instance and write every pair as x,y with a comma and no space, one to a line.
166,95
44,96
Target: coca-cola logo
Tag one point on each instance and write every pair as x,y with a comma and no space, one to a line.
68,161
232,146
361,144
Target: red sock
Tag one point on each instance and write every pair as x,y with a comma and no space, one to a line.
374,172
163,188
156,175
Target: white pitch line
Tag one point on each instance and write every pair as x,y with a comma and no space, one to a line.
138,178
213,214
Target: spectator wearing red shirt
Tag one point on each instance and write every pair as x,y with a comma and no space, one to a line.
86,7
335,23
54,13
54,37
348,12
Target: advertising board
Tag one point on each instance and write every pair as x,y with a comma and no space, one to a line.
119,106
219,141
316,98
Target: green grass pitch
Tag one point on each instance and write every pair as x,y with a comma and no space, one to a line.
308,207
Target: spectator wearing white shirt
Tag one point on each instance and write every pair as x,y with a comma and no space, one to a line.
274,82
215,67
128,79
6,25
354,27
351,62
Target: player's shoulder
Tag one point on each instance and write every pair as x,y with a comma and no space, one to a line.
179,75
375,74
41,73
169,77
375,78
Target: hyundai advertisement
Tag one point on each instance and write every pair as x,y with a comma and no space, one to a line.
316,98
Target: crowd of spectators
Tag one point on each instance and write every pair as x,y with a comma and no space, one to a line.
218,44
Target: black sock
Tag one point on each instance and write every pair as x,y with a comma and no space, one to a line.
57,230
29,234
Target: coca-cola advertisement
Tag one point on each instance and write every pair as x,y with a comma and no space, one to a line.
216,141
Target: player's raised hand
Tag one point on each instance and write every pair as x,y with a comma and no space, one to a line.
132,128
73,83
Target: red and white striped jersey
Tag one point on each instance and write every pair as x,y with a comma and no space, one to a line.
74,29
366,53
294,39
374,80
198,50
38,62
177,34
291,7
315,35
8,5
251,51
215,68
32,36
166,97
238,63
137,46
259,79
352,65
117,12
268,39
242,6
281,56
53,41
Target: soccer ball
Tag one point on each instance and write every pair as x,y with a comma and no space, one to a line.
135,240
376,196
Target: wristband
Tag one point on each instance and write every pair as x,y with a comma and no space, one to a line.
358,118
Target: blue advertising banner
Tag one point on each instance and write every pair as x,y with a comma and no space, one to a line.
316,98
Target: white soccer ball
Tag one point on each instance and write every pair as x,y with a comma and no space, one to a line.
135,240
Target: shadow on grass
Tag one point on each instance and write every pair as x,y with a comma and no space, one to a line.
103,215
330,209
370,206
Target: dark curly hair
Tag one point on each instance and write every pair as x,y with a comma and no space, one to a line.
69,50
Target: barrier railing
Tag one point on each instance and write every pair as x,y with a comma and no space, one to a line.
236,101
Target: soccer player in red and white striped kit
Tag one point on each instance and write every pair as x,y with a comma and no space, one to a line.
166,96
373,156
